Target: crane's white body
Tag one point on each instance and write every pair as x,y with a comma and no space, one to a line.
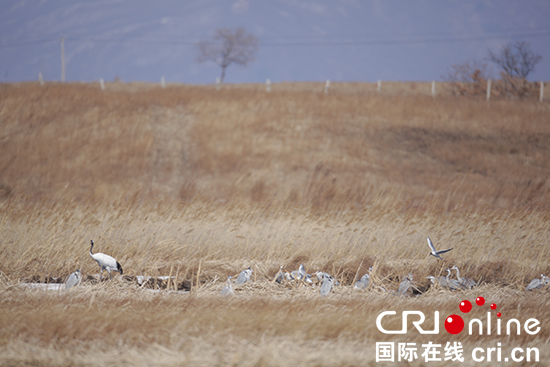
538,283
364,281
434,252
280,276
244,276
405,285
464,282
74,279
326,287
105,262
452,283
228,289
299,275
321,276
441,281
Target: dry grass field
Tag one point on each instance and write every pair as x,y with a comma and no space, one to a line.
196,184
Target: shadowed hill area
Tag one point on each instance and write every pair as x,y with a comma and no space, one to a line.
349,149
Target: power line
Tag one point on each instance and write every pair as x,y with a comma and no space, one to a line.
27,42
404,41
329,40
486,32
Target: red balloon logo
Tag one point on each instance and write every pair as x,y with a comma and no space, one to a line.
454,324
465,306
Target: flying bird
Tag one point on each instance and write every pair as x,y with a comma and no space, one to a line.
105,262
74,279
434,252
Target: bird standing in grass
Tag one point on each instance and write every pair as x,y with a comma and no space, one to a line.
244,276
74,279
105,262
464,282
441,281
537,283
227,290
405,285
436,253
280,276
321,275
364,281
452,283
326,287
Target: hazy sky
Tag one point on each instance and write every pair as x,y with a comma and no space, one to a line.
345,40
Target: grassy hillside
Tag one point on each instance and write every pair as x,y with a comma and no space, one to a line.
345,150
198,184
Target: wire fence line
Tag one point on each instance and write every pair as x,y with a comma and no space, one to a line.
485,89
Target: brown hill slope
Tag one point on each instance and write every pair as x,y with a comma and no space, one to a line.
348,149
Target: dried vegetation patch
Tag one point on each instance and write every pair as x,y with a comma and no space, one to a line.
193,184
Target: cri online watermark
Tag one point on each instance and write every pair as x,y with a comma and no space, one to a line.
454,324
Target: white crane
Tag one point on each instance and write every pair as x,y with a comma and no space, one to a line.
464,282
452,283
436,253
405,285
364,281
74,279
441,281
444,281
321,276
279,277
244,276
434,279
227,290
326,287
302,272
299,275
538,283
105,262
304,276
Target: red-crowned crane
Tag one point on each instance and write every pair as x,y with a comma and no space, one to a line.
105,262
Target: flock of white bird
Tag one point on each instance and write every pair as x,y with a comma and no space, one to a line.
108,263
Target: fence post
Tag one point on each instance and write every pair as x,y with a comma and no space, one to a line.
379,87
162,82
433,88
268,85
541,91
101,84
327,86
218,81
62,60
41,79
488,90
